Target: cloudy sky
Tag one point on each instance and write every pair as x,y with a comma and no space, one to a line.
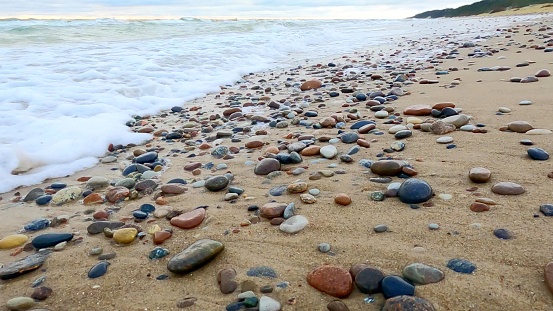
351,9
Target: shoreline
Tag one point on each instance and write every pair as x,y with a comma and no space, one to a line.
501,264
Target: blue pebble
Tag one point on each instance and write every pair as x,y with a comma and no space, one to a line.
393,286
451,146
503,234
37,224
461,266
98,269
538,154
378,133
147,208
282,284
162,277
366,163
58,185
235,306
147,157
43,199
547,209
359,124
414,191
277,191
289,211
158,253
177,181
262,271
361,97
140,215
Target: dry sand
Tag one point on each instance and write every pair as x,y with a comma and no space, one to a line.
531,9
509,274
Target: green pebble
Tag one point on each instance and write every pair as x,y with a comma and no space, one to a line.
378,196
251,302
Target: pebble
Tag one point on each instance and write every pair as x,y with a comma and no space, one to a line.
98,269
324,247
294,224
262,271
272,210
334,281
195,256
403,134
226,281
337,305
189,219
66,195
393,286
20,303
547,209
328,151
268,304
24,265
289,211
508,188
297,187
380,228
277,191
421,274
407,303
479,207
414,191
12,241
41,293
519,126
158,253
51,239
539,132
266,166
99,226
538,154
342,199
444,140
368,280
216,183
387,167
308,198
548,274
503,234
504,110
480,175
377,196
461,266
125,235
349,138
37,224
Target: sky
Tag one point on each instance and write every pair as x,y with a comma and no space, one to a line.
340,9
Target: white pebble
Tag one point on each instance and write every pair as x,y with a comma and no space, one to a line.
268,304
444,140
294,224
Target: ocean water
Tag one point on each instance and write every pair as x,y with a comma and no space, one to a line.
67,87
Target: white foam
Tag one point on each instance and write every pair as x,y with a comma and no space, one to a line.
68,87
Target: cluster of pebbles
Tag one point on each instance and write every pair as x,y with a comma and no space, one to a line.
328,119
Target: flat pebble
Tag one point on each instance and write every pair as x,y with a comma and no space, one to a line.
461,266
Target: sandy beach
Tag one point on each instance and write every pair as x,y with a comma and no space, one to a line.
475,76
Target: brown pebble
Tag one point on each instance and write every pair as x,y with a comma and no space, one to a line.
266,289
186,302
41,293
479,207
331,280
226,281
277,221
337,305
342,199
